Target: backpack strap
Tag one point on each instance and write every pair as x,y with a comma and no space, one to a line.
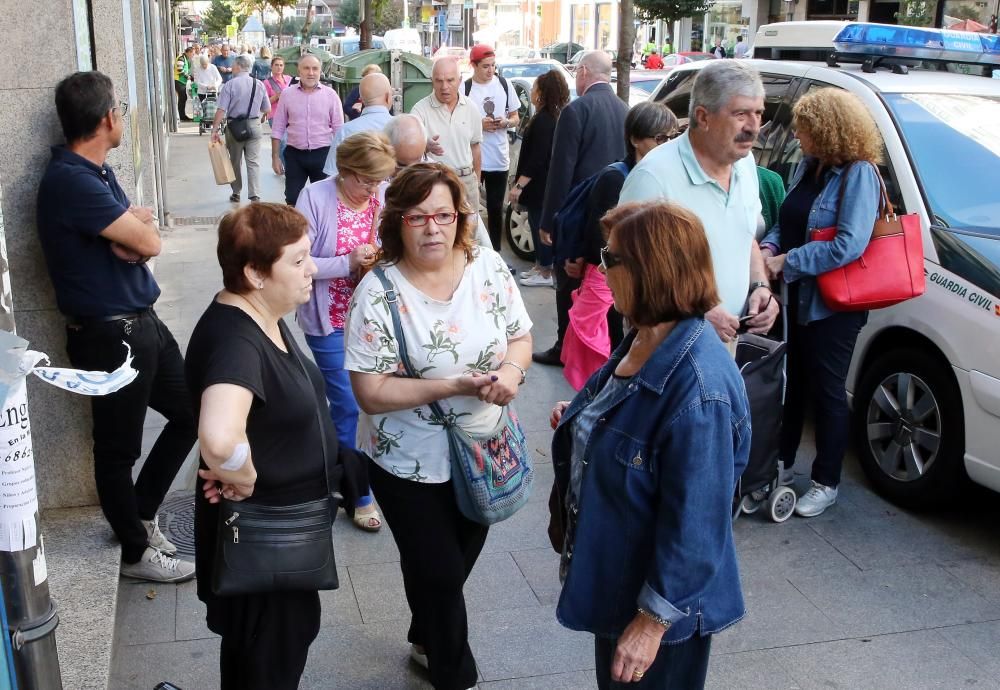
468,86
506,93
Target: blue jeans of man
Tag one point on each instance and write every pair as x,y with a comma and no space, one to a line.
328,351
681,666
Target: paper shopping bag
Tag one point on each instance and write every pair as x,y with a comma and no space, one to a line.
221,165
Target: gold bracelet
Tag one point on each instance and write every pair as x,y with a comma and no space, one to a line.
656,619
524,374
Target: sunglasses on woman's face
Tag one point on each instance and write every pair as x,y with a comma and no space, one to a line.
609,259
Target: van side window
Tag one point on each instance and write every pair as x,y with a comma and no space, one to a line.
785,160
778,90
676,94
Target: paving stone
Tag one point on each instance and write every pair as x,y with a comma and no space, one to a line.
191,613
766,548
895,599
527,528
191,664
147,612
520,643
748,671
777,615
378,588
921,660
982,574
357,547
541,569
340,606
979,642
576,680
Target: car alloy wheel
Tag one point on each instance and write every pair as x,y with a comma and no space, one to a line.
904,426
518,233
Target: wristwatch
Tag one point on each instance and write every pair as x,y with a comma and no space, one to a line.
758,284
518,185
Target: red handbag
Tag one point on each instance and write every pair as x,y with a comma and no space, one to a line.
891,269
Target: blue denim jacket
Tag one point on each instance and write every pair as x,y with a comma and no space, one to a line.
854,229
653,528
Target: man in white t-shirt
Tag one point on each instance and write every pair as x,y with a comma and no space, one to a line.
498,104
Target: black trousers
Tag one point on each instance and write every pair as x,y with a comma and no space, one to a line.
681,666
819,355
438,547
302,165
496,189
564,299
118,420
182,99
270,645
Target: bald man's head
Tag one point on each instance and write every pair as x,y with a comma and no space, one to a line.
375,89
445,79
408,138
594,67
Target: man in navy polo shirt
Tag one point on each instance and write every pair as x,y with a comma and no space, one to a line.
96,245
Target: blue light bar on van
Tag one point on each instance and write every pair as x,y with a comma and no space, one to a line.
914,43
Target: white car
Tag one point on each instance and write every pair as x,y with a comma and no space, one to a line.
925,379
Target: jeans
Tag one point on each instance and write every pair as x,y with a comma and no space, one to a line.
819,355
496,188
438,547
118,420
543,252
328,351
301,165
676,667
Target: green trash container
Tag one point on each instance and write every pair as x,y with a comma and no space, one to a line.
409,74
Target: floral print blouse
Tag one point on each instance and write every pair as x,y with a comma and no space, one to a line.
354,229
444,340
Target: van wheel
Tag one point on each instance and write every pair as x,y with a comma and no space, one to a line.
910,429
515,226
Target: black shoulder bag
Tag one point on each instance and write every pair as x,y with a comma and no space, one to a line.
239,127
279,548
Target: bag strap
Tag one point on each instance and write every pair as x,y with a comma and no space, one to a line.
375,215
253,93
319,418
277,84
468,86
884,205
391,295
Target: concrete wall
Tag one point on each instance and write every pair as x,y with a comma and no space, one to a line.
60,421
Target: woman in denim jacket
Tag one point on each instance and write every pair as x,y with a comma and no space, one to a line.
842,146
646,459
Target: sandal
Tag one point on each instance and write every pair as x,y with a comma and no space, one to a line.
369,522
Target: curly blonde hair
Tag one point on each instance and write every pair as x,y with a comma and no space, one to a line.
840,126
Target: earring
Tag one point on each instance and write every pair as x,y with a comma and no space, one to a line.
260,285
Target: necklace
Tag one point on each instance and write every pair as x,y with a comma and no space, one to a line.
426,284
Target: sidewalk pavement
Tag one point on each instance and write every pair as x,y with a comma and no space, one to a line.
865,596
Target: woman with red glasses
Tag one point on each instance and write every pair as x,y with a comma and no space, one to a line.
342,213
467,335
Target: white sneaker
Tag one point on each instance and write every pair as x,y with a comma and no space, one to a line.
419,658
156,566
155,536
816,500
530,272
537,280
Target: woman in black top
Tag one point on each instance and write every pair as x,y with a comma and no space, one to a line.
259,432
550,94
590,339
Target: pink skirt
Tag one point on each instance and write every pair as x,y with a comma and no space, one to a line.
587,344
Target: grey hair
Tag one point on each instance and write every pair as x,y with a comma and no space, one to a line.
646,120
718,82
394,128
245,63
203,60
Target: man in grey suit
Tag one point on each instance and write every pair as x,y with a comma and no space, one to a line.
590,134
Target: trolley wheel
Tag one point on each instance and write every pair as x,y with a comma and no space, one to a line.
749,505
781,504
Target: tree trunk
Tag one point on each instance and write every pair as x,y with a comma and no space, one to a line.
626,38
307,24
366,25
281,25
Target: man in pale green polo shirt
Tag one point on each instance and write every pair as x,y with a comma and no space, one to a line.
710,169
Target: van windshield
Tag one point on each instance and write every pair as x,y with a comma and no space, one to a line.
954,140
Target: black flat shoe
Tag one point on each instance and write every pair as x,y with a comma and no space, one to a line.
255,198
235,198
552,357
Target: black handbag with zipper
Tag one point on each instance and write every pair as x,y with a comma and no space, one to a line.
263,548
239,127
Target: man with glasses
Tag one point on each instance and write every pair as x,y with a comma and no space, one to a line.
454,122
498,104
95,245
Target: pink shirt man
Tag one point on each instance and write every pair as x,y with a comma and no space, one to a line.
311,118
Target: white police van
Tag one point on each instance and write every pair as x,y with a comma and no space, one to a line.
925,379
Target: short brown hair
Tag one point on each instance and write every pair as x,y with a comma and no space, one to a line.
366,154
666,256
255,236
411,187
840,126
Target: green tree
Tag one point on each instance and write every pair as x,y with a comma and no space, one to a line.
349,13
386,14
280,6
916,13
671,11
217,18
964,12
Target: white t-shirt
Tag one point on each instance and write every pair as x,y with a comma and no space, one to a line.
444,340
495,147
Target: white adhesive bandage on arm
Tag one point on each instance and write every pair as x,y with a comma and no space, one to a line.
238,459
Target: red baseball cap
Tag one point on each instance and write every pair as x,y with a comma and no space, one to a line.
480,52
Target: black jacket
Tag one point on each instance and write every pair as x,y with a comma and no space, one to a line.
590,134
603,198
536,153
